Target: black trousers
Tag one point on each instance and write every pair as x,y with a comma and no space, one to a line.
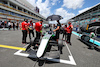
31,31
13,27
38,34
9,27
68,37
57,34
37,38
17,27
24,35
64,34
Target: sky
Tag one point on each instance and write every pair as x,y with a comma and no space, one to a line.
65,8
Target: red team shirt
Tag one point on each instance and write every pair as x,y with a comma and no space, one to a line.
24,24
38,26
68,29
30,24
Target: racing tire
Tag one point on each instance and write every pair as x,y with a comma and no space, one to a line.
87,38
60,42
82,37
32,41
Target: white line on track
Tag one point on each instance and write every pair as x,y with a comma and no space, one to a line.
71,56
71,60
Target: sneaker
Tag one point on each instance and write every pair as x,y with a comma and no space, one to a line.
67,42
34,47
61,52
37,46
23,43
70,44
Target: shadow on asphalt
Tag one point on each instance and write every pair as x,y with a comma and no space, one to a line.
97,49
41,62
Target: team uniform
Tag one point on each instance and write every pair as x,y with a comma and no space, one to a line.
24,31
58,31
38,28
69,32
30,29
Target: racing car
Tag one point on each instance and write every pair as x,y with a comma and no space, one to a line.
45,44
90,28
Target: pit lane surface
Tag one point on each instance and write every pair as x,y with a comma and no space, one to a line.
83,56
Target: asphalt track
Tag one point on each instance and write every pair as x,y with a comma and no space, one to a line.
77,55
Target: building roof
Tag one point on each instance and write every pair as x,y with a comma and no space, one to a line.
21,2
87,10
26,3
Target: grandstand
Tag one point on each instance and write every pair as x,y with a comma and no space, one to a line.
17,10
89,16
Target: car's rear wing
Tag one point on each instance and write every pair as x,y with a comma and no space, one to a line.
92,24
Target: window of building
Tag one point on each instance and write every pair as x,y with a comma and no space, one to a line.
1,11
31,13
12,13
4,2
12,5
19,8
99,7
6,12
0,1
25,11
94,9
34,14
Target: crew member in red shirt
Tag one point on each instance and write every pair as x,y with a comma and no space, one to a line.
24,30
38,28
69,32
31,28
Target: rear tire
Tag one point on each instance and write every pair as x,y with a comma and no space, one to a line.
32,41
60,45
82,37
87,38
60,42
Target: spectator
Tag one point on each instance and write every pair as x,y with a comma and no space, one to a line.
17,25
9,25
0,24
3,25
20,26
13,25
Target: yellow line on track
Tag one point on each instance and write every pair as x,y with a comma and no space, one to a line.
12,47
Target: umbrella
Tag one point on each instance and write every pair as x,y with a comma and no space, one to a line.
54,17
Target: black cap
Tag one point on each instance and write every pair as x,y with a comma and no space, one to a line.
41,20
25,19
